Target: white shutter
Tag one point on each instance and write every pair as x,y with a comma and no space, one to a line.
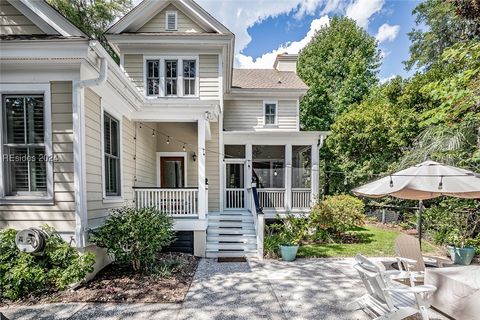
171,20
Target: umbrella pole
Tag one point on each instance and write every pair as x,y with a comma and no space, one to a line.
419,222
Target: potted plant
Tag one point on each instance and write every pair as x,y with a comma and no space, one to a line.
291,232
465,222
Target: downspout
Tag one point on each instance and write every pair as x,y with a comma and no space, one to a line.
81,216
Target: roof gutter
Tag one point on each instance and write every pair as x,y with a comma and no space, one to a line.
102,77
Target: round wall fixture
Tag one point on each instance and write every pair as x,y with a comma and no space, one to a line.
30,240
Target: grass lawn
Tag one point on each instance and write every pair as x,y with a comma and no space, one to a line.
378,242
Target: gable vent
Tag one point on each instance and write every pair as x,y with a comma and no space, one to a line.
171,20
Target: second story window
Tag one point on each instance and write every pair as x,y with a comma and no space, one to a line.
153,77
171,77
270,112
189,70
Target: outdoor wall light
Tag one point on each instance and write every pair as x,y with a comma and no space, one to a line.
194,157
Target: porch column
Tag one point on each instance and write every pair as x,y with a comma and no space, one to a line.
202,201
248,175
315,174
288,177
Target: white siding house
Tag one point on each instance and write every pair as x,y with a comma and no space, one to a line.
173,126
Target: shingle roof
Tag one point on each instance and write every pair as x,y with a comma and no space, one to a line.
266,79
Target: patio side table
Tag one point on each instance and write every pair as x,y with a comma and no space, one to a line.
458,291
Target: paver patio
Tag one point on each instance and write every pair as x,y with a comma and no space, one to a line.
305,289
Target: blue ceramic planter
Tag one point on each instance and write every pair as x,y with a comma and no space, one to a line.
461,256
289,253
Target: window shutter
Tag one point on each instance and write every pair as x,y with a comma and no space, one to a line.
171,21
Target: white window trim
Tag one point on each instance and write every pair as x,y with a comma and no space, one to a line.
105,108
275,102
166,20
29,88
161,91
172,154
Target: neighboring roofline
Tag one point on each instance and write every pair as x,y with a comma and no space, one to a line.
47,18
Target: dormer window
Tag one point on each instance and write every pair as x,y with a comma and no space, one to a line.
171,20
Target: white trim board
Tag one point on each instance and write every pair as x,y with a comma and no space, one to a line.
161,154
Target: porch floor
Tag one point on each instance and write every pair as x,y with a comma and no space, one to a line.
304,289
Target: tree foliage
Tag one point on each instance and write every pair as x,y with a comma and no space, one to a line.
93,17
365,140
339,65
441,24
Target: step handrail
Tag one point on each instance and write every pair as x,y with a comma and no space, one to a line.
259,219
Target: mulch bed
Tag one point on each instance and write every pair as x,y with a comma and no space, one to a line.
119,284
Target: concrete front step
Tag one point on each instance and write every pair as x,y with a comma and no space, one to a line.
217,254
231,246
230,213
231,224
218,231
243,218
239,238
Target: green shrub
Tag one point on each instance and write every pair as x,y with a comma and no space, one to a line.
135,236
23,273
334,216
454,222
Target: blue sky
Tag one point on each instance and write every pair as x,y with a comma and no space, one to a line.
264,28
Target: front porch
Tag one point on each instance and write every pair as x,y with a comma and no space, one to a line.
285,172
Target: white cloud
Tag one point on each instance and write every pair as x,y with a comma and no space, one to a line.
267,59
387,79
362,10
387,32
238,16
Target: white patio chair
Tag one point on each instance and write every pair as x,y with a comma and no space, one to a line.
410,259
386,299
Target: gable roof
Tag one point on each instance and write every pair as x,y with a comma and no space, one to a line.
147,9
46,18
266,79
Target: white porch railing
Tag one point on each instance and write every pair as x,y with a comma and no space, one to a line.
301,198
272,198
234,198
176,202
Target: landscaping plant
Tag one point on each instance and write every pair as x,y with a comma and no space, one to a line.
135,236
454,222
59,266
333,217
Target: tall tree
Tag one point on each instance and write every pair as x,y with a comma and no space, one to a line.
441,24
339,65
366,139
93,17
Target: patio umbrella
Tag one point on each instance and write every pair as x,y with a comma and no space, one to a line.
423,181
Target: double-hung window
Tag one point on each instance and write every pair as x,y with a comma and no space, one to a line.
270,112
153,77
189,76
171,76
111,146
24,147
